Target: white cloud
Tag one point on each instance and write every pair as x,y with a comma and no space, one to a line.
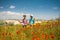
55,8
1,7
12,7
12,15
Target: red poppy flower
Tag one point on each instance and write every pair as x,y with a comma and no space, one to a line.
33,32
18,32
47,36
10,34
45,26
52,36
38,25
35,38
43,36
4,34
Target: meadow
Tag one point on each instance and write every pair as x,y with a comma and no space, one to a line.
39,31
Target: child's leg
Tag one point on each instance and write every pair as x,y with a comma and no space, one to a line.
31,26
24,26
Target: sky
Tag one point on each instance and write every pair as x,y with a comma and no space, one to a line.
40,9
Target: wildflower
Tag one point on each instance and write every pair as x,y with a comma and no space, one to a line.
38,25
10,34
34,25
52,36
28,27
4,34
18,32
45,26
33,32
43,36
47,36
35,38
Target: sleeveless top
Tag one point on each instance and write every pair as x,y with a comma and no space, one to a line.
31,21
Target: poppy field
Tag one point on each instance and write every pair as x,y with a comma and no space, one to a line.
39,31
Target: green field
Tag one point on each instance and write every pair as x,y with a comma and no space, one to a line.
43,31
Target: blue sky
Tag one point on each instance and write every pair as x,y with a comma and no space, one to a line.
40,9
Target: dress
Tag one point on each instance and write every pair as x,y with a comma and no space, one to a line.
31,21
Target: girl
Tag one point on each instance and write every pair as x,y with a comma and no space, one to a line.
24,21
31,21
